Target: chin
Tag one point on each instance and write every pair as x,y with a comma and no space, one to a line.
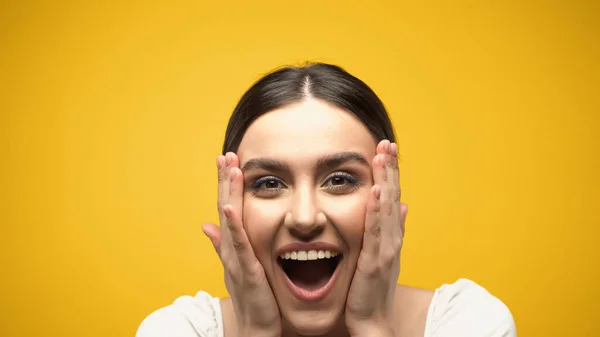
312,323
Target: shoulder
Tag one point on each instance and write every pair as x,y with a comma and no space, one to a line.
411,305
198,316
466,309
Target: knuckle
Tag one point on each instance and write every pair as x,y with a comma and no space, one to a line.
233,273
388,257
398,242
255,273
375,230
372,272
397,246
237,245
387,263
377,206
368,268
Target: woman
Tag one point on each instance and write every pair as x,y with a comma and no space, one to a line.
312,225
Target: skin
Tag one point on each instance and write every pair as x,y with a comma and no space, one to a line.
352,203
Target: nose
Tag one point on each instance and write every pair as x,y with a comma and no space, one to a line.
304,219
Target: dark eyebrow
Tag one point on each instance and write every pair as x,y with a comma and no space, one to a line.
338,159
265,164
326,162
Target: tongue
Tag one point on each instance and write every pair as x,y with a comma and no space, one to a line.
310,275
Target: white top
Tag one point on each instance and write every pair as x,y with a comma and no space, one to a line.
460,309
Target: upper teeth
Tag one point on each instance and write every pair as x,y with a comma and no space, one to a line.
303,255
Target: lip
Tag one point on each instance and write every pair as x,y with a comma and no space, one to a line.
306,246
315,295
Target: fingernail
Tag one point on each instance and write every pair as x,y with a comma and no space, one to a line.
394,150
227,159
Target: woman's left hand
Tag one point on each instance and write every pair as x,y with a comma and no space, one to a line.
369,306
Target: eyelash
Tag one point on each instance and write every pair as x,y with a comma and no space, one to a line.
352,181
256,185
348,177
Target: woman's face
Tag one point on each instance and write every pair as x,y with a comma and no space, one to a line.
307,173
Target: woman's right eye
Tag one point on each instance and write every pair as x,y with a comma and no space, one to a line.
267,185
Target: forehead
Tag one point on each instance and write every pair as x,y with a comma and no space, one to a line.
305,131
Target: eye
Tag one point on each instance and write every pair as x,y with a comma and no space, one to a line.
267,186
340,182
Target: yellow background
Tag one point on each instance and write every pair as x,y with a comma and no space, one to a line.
112,114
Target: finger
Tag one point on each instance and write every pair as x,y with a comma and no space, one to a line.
230,161
382,179
224,182
236,190
403,214
234,160
236,185
382,146
394,150
379,171
384,149
391,195
389,162
398,243
213,232
372,233
239,239
394,171
222,174
396,195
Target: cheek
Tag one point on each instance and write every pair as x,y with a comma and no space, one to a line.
348,215
261,221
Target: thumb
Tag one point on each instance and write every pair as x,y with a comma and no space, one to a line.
213,232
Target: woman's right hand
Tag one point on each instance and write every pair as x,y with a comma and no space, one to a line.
255,306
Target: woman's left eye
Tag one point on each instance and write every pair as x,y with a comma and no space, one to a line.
341,181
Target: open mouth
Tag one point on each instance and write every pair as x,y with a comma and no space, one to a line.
310,270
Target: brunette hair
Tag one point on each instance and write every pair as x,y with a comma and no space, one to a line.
292,84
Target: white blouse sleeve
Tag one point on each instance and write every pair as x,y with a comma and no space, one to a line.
198,316
465,309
